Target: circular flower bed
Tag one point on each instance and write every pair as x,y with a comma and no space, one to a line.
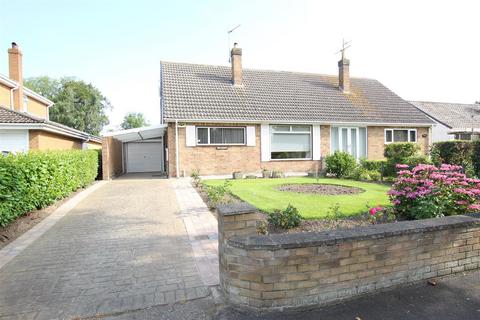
322,189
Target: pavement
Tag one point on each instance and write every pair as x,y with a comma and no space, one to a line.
140,247
451,298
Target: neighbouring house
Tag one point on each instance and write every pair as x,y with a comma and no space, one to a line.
24,117
453,121
221,119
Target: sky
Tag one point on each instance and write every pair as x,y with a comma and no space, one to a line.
422,50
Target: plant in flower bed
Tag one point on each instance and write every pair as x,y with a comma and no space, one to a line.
286,219
427,191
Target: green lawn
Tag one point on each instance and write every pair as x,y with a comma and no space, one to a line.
262,193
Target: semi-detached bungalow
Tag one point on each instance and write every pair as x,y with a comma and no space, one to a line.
24,117
219,119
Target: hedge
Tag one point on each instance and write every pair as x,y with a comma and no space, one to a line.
401,153
461,153
476,158
35,180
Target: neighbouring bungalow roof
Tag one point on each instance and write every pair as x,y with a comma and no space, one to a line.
205,92
457,116
14,119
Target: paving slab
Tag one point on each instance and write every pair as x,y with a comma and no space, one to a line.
124,247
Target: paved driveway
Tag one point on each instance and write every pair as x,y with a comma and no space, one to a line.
124,247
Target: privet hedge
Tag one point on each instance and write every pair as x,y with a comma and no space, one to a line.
460,153
37,179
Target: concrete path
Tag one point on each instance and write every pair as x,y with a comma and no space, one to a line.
202,230
124,247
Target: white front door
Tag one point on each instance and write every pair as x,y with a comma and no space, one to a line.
349,141
144,156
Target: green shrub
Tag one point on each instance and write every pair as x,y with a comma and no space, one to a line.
362,174
341,164
35,180
459,153
476,158
100,165
217,194
196,177
374,165
286,218
399,153
418,159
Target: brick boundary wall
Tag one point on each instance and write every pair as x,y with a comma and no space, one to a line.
267,272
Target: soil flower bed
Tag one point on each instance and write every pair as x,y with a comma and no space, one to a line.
321,189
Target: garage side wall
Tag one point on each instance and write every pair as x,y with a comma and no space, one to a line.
112,158
44,140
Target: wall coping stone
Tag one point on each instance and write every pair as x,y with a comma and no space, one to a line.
332,237
232,209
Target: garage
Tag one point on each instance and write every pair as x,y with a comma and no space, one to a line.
145,156
138,150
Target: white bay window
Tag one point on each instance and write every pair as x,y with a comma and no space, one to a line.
290,142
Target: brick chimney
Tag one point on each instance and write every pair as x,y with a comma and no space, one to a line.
344,74
15,70
236,59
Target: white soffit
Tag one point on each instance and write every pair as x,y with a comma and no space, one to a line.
137,134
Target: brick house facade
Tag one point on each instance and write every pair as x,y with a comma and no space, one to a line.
214,160
24,117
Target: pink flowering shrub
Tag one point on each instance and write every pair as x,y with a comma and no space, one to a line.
427,191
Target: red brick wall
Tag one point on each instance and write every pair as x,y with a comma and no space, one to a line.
214,160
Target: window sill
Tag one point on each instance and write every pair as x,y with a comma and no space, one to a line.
299,159
220,145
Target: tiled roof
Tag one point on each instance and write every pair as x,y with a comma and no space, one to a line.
454,115
205,92
8,116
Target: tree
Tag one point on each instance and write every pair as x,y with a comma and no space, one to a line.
77,104
134,120
44,85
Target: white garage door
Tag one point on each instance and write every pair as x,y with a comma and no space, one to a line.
13,141
144,156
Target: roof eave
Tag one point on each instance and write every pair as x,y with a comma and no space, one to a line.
372,123
50,128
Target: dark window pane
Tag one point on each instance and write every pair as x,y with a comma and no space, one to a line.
202,135
233,135
413,136
400,135
388,136
216,135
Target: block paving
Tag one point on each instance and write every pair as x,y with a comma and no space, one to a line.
122,248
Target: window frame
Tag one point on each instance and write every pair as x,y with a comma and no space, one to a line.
409,130
291,132
219,144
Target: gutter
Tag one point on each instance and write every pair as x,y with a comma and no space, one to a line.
176,150
331,123
46,127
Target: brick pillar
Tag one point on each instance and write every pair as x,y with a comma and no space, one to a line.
238,219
